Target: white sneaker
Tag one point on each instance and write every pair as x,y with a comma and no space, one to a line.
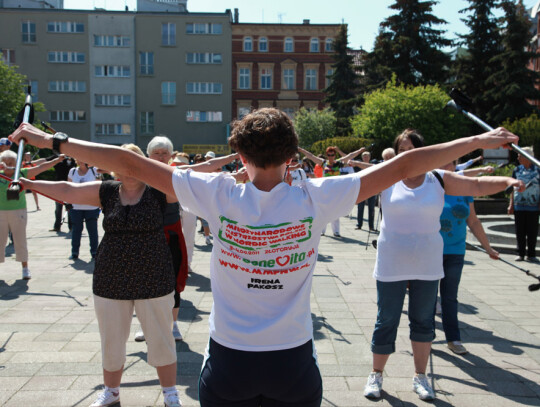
106,398
26,274
208,241
518,258
422,387
176,332
374,385
139,336
172,400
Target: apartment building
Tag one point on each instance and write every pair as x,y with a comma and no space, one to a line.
124,76
280,65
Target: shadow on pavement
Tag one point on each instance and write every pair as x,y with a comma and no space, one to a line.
320,322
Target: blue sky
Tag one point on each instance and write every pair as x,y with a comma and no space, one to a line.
362,16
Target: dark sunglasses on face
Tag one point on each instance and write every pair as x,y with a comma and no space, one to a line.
330,155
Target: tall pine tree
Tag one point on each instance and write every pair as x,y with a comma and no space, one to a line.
409,46
473,67
513,84
341,93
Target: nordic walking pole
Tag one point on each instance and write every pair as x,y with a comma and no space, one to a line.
26,115
459,100
532,287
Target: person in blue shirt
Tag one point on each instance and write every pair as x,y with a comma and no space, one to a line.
525,207
457,214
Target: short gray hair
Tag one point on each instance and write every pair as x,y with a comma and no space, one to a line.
158,142
7,155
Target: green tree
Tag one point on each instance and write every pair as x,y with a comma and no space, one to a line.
314,125
409,46
341,93
528,130
387,112
473,67
513,85
12,97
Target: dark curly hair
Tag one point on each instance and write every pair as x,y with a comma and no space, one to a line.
264,137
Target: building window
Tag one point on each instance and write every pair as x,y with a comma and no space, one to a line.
8,56
204,28
111,41
263,44
288,78
248,44
65,27
266,78
168,34
112,100
34,89
67,86
288,45
203,58
203,88
146,63
314,45
244,78
67,116
168,93
28,32
311,79
289,111
147,122
197,116
113,71
107,129
329,45
329,74
65,57
243,111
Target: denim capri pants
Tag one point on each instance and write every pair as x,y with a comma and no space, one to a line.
390,298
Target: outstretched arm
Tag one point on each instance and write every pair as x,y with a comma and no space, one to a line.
345,159
420,160
214,164
473,172
116,159
455,184
311,156
82,194
478,231
44,166
360,164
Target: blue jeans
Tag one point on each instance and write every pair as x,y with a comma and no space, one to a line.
453,266
77,218
390,298
371,213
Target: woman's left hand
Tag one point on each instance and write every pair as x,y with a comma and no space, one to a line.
518,185
494,254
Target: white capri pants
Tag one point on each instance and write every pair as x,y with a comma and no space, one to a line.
14,220
114,319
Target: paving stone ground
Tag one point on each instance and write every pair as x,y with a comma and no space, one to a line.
50,350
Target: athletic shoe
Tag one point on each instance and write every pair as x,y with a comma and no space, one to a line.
172,400
208,241
139,336
74,257
532,259
337,235
26,274
176,332
422,387
457,347
106,398
518,258
374,385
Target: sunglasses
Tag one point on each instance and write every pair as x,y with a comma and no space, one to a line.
330,155
294,161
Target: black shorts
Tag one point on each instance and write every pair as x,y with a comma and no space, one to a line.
282,378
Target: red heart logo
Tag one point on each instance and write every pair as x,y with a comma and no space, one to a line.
281,262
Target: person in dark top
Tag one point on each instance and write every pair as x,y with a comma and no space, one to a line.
61,174
133,271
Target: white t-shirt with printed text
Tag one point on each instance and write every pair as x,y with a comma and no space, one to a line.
264,253
76,178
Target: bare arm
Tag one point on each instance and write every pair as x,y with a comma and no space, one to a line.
473,172
455,184
214,164
360,164
345,159
33,171
312,157
116,159
420,160
82,194
478,231
39,161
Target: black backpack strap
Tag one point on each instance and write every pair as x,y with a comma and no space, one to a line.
439,178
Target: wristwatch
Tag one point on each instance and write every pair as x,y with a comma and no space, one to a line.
58,139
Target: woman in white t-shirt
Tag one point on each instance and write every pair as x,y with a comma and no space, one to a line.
81,214
410,253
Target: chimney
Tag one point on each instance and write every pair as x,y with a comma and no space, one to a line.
306,21
235,20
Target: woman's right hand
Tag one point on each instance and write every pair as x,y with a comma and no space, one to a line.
26,183
499,137
32,135
510,210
